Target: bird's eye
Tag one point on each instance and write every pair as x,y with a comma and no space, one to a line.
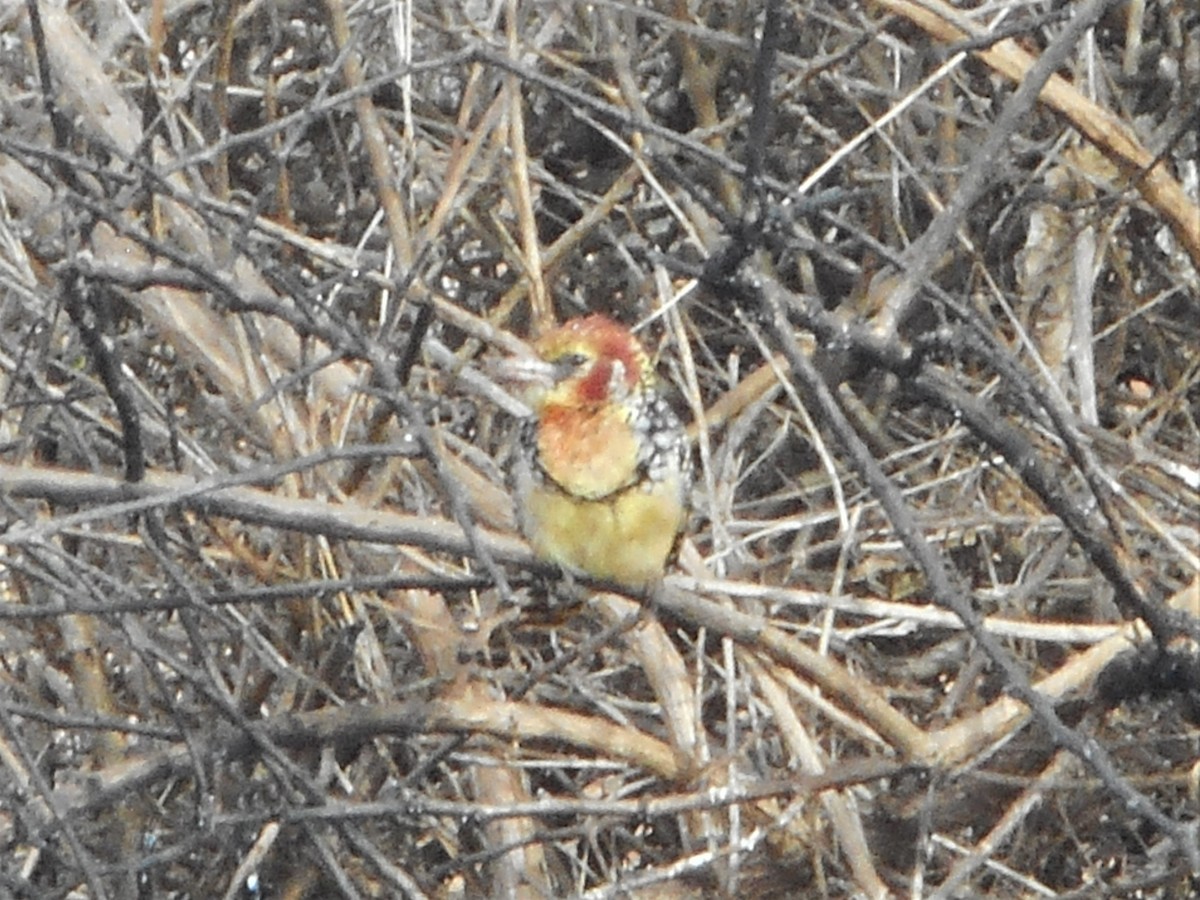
570,363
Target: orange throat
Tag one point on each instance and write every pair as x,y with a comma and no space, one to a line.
589,451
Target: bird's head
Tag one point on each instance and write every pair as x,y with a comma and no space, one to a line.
584,363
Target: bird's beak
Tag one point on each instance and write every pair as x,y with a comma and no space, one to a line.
525,373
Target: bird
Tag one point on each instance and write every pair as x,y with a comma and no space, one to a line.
602,469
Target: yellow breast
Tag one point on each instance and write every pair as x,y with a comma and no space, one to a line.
625,537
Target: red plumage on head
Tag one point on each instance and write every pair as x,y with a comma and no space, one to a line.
610,343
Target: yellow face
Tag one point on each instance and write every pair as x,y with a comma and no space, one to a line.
591,361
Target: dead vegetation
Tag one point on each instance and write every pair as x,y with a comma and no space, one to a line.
267,630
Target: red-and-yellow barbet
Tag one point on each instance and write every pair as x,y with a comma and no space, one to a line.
602,471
